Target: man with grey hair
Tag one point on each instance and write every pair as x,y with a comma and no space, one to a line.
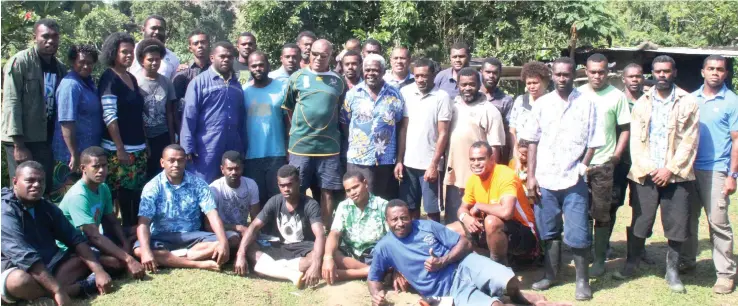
373,117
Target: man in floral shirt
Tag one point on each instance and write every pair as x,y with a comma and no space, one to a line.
357,226
373,118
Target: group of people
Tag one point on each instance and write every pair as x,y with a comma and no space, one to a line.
163,144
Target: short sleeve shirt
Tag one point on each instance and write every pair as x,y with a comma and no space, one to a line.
372,124
424,111
360,229
658,129
293,226
157,94
264,126
175,208
718,117
314,99
77,101
82,206
407,255
520,112
234,204
612,111
503,182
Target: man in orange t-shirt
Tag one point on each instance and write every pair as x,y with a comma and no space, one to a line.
495,207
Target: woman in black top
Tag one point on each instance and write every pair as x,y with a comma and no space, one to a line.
124,138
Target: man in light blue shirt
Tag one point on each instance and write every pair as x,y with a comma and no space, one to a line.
716,170
399,75
290,59
265,130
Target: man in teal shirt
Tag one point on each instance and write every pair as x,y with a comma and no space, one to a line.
312,101
88,203
716,170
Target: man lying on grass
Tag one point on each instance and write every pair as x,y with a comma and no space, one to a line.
438,262
169,219
297,219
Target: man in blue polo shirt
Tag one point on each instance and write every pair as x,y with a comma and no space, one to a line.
716,170
448,79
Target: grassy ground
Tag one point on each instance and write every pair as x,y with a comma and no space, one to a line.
190,287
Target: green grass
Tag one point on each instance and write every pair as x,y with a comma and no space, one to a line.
191,287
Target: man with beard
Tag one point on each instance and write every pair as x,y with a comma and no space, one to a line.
613,115
664,130
716,170
491,73
563,125
265,129
290,59
213,116
312,101
156,27
399,76
429,112
305,41
473,120
245,44
373,118
29,99
199,46
236,197
448,79
439,262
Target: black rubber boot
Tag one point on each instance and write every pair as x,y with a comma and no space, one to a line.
583,291
672,267
601,240
552,263
635,249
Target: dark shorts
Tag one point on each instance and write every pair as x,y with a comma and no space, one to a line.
264,172
600,179
366,256
619,186
325,170
381,179
289,251
673,200
521,240
414,188
176,241
156,148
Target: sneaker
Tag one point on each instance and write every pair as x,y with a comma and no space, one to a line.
723,286
88,286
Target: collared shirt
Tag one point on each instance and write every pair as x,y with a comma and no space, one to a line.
360,230
212,122
390,78
503,102
564,130
30,234
279,74
372,124
168,67
77,102
445,81
659,129
182,79
175,208
718,117
520,112
423,112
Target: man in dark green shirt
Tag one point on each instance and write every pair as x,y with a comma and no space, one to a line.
312,103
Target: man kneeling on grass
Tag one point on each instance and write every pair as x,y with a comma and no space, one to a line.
297,219
438,262
357,226
88,204
169,220
495,210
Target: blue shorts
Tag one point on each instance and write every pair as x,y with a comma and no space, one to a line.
414,188
479,280
176,241
324,169
573,202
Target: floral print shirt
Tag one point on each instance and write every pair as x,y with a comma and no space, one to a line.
175,209
360,229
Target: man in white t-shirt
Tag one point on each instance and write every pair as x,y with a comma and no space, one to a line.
236,197
156,27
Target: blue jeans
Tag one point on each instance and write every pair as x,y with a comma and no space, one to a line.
414,188
573,202
479,281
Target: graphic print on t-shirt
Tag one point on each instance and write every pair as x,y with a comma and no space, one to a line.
290,226
96,212
49,93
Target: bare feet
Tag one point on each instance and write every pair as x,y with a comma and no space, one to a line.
209,265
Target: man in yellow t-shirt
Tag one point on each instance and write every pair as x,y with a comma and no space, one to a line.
495,210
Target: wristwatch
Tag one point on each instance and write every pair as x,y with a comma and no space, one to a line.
734,175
